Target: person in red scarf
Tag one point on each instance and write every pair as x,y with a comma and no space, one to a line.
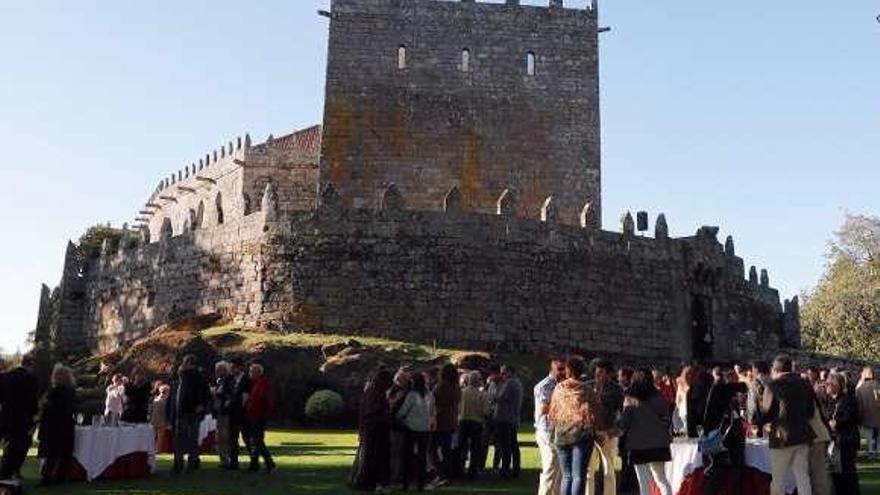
259,406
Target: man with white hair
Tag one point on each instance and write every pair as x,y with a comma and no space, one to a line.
259,406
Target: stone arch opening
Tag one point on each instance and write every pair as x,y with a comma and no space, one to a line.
246,205
465,60
167,230
218,203
401,57
530,64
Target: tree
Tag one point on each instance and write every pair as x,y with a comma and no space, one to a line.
842,314
91,241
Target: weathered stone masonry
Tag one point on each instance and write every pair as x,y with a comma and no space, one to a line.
452,196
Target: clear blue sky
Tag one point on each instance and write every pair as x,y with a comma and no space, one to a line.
760,117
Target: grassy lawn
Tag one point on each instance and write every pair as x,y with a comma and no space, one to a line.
313,462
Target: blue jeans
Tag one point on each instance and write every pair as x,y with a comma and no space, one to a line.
573,461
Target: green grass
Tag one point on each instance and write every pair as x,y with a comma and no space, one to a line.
253,338
313,462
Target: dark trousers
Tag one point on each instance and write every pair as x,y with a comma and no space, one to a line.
18,441
846,482
238,427
507,446
56,469
415,451
258,446
186,441
470,445
445,462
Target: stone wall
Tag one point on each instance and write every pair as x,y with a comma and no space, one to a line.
402,106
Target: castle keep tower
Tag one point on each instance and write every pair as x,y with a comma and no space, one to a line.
468,98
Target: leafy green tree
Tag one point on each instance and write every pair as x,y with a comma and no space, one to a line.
841,315
92,240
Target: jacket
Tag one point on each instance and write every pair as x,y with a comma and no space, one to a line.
190,395
260,403
239,387
788,406
868,394
647,424
447,396
611,400
20,399
416,411
508,401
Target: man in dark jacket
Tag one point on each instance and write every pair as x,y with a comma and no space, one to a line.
611,398
187,406
20,394
238,424
788,405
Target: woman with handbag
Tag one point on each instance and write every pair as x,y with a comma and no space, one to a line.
843,417
723,419
645,420
573,406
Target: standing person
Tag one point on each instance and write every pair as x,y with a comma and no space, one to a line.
114,403
760,379
396,395
646,421
19,392
415,414
723,414
665,385
820,477
473,411
843,417
868,395
679,416
788,405
604,456
57,426
221,392
697,394
493,386
186,409
628,480
372,466
238,424
259,405
447,396
507,415
572,409
158,418
550,479
136,403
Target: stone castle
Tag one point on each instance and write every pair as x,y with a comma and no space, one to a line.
452,195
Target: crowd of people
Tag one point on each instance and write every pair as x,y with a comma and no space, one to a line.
239,398
425,429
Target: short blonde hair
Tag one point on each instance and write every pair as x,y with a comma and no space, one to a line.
62,376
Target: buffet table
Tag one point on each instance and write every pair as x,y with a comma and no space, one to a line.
685,471
113,452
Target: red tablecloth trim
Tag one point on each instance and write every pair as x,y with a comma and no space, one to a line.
134,465
755,482
166,443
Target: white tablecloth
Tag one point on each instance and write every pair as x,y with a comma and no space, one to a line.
208,425
686,459
96,449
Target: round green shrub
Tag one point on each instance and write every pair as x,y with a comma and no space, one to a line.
324,407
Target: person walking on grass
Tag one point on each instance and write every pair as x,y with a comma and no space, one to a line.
57,427
788,406
473,411
842,411
447,396
646,421
221,392
372,465
19,393
186,407
259,405
238,423
550,479
508,405
415,414
868,395
573,408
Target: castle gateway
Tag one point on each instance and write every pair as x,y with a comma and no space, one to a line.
452,195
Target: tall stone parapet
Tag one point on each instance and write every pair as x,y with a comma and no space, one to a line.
791,323
43,330
72,336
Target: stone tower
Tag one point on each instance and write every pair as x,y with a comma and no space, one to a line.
465,98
